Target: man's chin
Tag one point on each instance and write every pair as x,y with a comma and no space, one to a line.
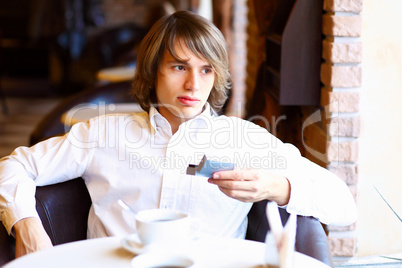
189,112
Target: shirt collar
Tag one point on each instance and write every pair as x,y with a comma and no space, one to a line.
157,121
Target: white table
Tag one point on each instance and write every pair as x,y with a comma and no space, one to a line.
85,111
115,74
108,252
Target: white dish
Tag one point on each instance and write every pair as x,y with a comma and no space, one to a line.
133,244
161,260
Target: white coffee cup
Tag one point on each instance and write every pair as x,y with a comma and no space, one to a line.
165,227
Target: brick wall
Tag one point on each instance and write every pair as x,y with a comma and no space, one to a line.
338,132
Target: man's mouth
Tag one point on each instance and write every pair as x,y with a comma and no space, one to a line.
186,100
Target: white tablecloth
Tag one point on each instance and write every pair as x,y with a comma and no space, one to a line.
108,252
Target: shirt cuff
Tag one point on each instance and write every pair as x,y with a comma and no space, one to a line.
299,201
12,215
22,207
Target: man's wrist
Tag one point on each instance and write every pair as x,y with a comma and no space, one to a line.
283,192
23,224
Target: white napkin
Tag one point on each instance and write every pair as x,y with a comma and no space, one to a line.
280,240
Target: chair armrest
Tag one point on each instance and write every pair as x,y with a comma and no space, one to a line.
311,239
7,245
63,209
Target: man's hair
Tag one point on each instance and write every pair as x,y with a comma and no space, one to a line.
200,36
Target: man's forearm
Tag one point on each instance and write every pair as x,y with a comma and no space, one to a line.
30,236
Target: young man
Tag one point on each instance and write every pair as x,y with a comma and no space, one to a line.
181,79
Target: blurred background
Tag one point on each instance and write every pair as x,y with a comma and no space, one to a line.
65,42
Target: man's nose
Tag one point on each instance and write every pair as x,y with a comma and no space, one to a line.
192,81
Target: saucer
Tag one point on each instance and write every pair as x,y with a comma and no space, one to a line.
133,244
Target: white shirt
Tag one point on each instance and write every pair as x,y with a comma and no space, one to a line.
135,157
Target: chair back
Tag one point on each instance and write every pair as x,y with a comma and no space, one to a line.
51,125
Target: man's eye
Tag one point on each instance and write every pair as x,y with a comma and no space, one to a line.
179,68
206,71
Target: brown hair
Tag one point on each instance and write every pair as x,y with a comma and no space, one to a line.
200,36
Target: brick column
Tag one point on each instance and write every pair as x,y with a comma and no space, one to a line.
341,75
336,134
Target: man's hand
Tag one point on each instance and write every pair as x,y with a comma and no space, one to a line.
30,236
250,185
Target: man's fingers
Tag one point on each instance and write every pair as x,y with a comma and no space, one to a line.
235,185
237,175
241,195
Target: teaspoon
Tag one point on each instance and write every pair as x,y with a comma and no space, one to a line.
126,207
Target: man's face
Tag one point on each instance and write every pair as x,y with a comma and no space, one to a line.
183,87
